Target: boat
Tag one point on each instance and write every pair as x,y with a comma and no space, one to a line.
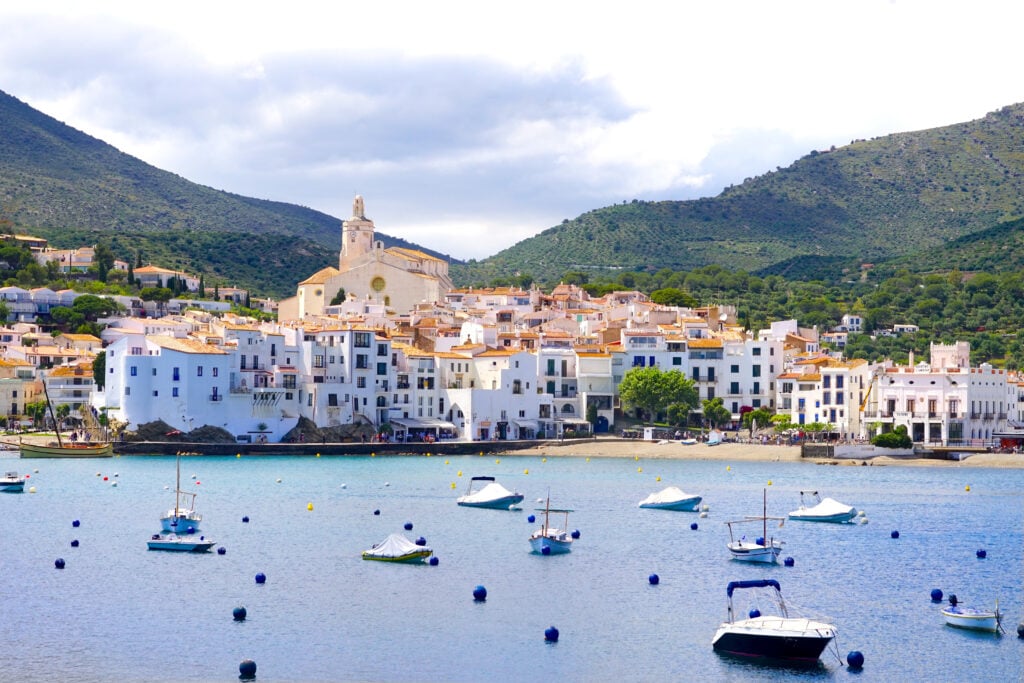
822,509
764,549
182,544
671,498
182,518
12,482
547,540
88,448
971,618
777,636
397,548
715,437
492,495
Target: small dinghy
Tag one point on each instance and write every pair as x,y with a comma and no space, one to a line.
973,619
814,508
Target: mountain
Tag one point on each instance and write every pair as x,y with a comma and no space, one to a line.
900,195
59,183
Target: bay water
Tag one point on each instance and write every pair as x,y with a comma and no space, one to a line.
118,612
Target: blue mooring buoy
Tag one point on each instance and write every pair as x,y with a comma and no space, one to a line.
59,563
654,579
480,594
221,550
376,512
789,562
531,519
759,541
245,520
261,578
894,534
575,534
936,595
76,524
434,561
239,613
247,670
754,613
551,634
421,541
855,659
408,526
982,554
74,543
1020,630
693,526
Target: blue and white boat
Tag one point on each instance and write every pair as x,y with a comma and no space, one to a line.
764,549
492,496
774,636
181,544
971,618
548,540
671,498
12,482
182,518
813,508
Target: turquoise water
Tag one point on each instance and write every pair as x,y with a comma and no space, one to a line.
118,612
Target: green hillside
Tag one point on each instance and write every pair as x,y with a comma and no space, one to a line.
59,183
870,201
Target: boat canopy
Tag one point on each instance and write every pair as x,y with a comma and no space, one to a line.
754,583
395,545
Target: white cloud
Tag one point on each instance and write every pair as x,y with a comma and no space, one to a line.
498,121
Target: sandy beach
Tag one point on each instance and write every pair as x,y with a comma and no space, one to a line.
653,450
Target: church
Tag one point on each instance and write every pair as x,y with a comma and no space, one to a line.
397,278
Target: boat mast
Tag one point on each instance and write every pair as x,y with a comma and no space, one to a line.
764,517
56,427
177,490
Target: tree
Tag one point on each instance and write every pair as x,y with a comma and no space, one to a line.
36,411
99,370
339,297
715,412
652,391
897,438
102,260
762,417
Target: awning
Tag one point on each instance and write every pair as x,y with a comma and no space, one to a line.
574,421
427,423
526,424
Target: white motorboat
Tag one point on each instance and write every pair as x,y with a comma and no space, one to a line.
182,544
12,482
397,548
548,540
763,549
971,618
492,495
671,498
814,508
182,518
778,636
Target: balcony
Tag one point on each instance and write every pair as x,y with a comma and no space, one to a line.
216,397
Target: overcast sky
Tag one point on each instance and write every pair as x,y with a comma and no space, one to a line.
469,126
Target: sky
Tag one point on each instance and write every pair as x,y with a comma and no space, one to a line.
470,126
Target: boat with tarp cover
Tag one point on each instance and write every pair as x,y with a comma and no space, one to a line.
397,548
777,636
671,498
814,508
491,495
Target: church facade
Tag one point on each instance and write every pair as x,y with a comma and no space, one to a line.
398,278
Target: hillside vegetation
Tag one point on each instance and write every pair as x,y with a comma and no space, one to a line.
59,183
901,195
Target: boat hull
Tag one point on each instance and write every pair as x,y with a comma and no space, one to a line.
12,488
752,552
736,640
103,450
685,505
496,504
557,543
972,619
417,557
180,544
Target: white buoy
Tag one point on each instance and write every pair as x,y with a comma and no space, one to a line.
166,488
387,483
703,515
344,486
279,480
113,483
31,489
705,507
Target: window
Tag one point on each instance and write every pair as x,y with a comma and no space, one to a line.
362,361
154,374
826,381
215,372
839,381
318,361
176,374
757,388
199,371
734,388
332,399
826,397
156,393
134,371
243,363
734,369
362,340
755,371
127,391
638,362
839,398
677,360
382,368
382,349
756,351
361,382
174,392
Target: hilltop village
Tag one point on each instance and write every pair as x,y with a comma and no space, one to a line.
384,342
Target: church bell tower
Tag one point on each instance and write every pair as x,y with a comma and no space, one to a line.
356,236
